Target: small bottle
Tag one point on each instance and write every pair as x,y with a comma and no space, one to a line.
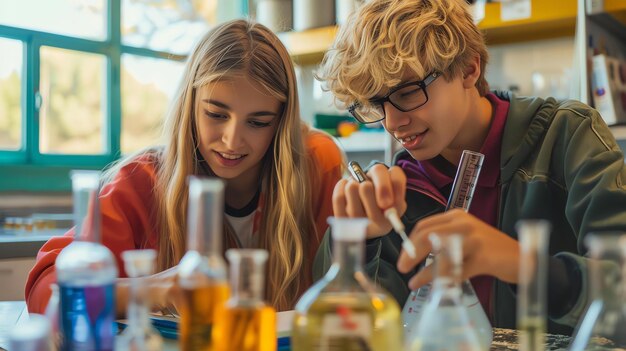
248,323
86,274
532,286
345,310
445,323
32,335
602,327
139,334
202,271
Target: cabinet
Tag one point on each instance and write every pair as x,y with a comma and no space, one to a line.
13,274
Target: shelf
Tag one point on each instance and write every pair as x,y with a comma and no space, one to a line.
308,47
549,19
364,142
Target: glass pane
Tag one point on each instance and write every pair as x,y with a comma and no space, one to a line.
148,87
71,118
77,18
166,25
10,94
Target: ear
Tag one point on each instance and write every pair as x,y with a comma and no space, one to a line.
471,73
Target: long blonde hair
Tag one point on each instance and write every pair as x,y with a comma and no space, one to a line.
233,49
384,37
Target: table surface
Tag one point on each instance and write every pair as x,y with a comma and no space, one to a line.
13,314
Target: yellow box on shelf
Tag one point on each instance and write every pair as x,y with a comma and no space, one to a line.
548,19
308,47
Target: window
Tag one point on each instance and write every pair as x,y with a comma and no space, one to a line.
71,113
84,81
145,98
10,94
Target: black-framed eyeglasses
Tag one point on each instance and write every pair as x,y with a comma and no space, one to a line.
405,97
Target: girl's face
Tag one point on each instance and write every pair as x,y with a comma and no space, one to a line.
236,123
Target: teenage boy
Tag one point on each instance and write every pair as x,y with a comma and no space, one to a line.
418,66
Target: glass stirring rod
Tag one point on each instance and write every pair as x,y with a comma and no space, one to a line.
391,213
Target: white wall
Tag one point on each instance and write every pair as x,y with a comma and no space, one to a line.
517,64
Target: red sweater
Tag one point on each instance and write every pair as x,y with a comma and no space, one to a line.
127,205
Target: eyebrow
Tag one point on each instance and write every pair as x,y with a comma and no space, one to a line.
226,107
375,98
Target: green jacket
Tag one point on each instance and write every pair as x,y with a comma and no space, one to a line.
559,161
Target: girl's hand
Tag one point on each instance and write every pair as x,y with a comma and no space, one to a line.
161,289
486,250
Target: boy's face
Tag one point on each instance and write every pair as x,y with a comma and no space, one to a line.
437,125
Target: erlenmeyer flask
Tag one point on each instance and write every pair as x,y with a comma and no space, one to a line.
445,322
416,302
461,196
602,328
345,310
139,335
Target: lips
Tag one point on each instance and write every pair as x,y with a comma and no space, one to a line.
413,140
229,159
230,156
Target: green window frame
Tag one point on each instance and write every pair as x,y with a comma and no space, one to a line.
27,169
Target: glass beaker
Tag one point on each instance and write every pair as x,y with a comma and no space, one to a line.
445,322
345,310
602,327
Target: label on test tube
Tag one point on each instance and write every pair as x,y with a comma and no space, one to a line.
465,180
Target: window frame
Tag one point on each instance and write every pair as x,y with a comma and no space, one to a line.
27,169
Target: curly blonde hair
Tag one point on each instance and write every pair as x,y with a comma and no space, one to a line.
385,37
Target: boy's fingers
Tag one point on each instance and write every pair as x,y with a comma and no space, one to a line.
379,175
398,183
422,278
374,213
354,205
339,199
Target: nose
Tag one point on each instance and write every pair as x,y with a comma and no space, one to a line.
232,135
394,118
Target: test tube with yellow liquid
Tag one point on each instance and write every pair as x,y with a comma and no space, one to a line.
202,271
248,323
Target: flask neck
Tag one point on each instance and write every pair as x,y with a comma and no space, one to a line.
247,276
348,257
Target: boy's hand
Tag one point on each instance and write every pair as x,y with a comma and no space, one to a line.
385,189
486,250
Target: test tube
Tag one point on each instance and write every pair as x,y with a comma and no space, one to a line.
532,285
465,180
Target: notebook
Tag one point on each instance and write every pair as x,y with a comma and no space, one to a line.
168,327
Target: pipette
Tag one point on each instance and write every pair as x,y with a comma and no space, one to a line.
391,213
